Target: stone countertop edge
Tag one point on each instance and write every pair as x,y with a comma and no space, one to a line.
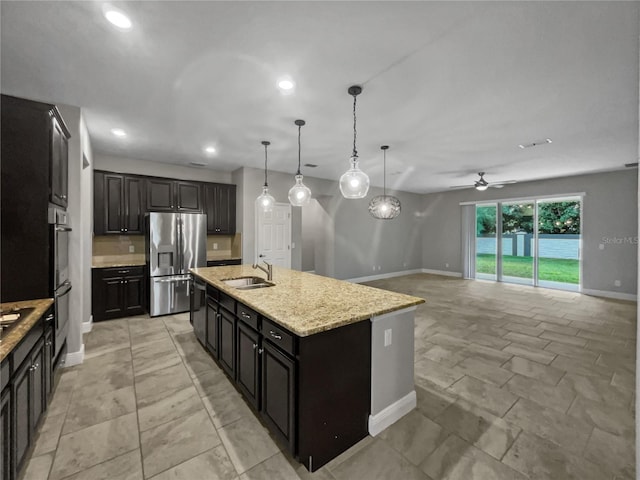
17,333
305,303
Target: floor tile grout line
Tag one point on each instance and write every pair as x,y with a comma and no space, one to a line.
135,394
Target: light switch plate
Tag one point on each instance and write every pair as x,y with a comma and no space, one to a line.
387,337
215,246
132,249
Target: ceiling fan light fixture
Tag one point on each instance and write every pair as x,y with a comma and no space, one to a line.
481,188
299,194
385,207
265,201
354,183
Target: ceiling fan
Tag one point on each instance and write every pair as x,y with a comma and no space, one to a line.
481,184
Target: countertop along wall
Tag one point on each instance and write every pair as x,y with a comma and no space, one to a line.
609,211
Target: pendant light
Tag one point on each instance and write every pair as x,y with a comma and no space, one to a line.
384,207
354,183
265,201
299,195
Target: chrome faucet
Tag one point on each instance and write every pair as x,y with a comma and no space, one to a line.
268,270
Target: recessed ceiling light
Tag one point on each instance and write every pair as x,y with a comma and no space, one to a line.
210,150
117,18
537,143
286,85
118,132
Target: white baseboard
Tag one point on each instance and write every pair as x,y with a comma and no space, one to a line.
608,294
74,358
442,272
87,326
391,414
381,276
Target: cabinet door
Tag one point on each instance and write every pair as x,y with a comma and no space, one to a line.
112,203
48,363
227,347
210,205
278,393
112,295
133,295
248,365
21,413
189,197
160,195
5,434
37,385
213,325
133,215
226,210
59,164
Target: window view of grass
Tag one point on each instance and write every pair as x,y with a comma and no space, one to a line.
550,269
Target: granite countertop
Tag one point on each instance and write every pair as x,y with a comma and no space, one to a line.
106,261
305,303
17,333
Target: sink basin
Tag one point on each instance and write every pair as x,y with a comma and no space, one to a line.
248,283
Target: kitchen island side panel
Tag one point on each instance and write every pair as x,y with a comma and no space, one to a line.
334,392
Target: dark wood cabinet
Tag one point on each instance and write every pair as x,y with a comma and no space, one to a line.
59,162
165,195
118,204
118,292
248,363
222,263
34,157
227,341
48,363
5,434
220,207
213,322
278,392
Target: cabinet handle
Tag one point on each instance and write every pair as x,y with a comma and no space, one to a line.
260,350
34,367
255,345
275,335
218,316
49,317
123,271
48,344
244,315
126,230
64,197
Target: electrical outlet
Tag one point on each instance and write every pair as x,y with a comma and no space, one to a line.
601,246
132,249
379,267
215,246
446,265
374,268
293,244
387,337
617,283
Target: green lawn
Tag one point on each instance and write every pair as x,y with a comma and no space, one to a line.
552,269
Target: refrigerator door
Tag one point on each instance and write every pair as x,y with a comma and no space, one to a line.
163,244
193,241
169,294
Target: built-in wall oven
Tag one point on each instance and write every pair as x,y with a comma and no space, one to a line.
59,221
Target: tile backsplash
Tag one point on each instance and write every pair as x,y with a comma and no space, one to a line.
117,245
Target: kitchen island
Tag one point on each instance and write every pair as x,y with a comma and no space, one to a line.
322,361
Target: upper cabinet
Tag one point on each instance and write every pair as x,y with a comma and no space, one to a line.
59,161
122,200
118,203
165,195
220,207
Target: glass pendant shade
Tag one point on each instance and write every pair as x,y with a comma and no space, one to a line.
384,207
354,183
265,201
299,194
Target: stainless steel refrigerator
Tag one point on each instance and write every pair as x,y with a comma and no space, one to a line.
174,243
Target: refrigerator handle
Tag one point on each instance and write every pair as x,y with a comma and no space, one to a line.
179,242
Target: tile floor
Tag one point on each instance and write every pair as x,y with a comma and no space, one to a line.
512,382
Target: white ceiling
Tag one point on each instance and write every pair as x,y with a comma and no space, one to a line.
452,87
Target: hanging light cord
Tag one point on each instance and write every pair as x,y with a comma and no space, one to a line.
355,152
299,128
265,164
384,172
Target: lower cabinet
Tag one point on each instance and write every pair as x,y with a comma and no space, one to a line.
278,392
248,366
227,341
212,327
5,434
117,292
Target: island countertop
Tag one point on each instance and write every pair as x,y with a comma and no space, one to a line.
305,303
10,340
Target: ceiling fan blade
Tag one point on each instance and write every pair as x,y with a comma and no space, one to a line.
461,186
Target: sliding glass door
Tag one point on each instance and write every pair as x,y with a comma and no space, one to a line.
532,242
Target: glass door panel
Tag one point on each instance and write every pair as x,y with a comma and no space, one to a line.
486,244
559,230
518,242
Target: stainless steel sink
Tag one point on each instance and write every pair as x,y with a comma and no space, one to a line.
248,283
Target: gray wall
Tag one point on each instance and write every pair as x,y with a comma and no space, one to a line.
609,211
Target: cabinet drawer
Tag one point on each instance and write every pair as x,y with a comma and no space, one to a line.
4,373
121,271
247,315
222,263
278,336
22,351
227,302
212,293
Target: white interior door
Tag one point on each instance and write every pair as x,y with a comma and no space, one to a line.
273,242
